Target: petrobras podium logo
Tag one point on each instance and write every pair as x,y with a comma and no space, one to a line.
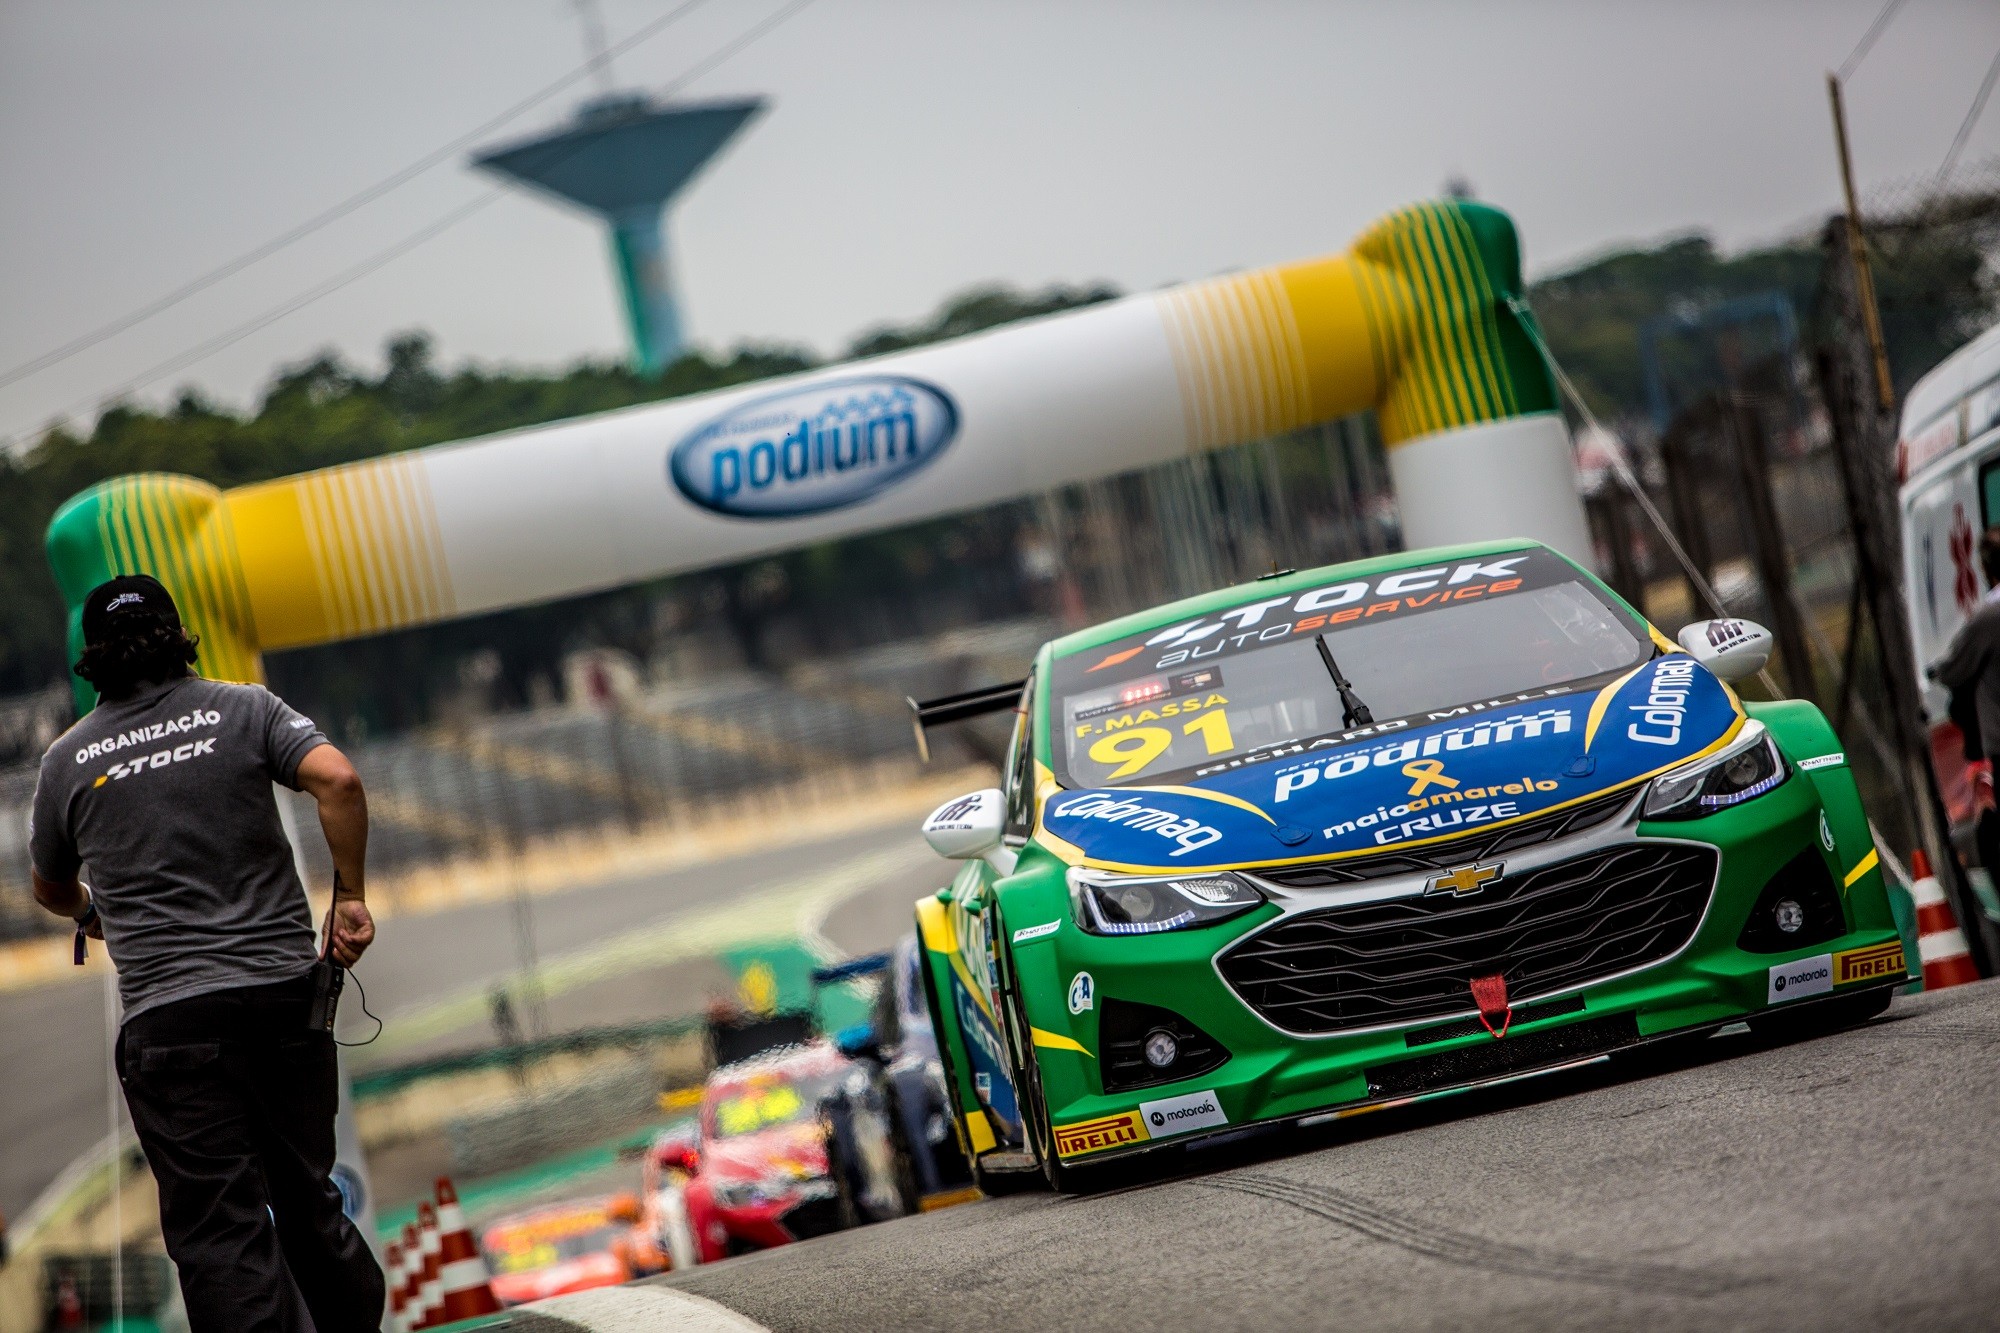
815,448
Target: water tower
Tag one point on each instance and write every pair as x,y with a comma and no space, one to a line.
624,158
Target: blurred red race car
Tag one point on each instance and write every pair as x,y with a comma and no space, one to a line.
795,1143
569,1247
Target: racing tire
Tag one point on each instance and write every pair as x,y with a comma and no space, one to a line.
905,1152
1035,1117
1034,1105
993,1184
1822,1016
842,1171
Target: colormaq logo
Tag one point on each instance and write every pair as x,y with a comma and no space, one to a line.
814,448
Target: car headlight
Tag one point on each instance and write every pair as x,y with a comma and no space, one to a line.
1750,767
1131,905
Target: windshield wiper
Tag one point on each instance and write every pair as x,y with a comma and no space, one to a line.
1353,711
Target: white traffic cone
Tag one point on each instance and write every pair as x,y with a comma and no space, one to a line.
1940,943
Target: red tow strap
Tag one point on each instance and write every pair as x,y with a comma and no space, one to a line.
1490,994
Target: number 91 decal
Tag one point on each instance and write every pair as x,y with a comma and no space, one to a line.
1132,748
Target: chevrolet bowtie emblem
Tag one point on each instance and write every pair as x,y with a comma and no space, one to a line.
1464,879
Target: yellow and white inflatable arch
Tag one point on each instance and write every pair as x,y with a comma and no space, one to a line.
1419,321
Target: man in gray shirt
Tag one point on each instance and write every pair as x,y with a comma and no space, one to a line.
161,798
1971,671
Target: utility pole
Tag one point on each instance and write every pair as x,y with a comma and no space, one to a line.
1863,441
1857,249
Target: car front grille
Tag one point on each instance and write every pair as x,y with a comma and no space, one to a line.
1410,959
1477,846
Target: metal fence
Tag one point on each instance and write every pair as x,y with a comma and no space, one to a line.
1751,488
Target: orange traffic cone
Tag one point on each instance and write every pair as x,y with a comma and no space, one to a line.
462,1273
392,1273
430,1291
408,1277
1940,943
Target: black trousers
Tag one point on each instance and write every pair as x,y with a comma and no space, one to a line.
233,1100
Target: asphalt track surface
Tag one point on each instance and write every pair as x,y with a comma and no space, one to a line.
1851,1181
53,1050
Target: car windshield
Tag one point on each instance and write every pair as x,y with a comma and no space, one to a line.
752,1107
1189,699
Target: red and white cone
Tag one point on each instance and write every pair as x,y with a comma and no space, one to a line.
413,1278
392,1273
1940,943
430,1290
467,1286
406,1278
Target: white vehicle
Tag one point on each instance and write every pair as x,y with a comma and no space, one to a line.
1948,460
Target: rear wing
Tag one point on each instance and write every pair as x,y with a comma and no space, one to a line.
959,707
852,968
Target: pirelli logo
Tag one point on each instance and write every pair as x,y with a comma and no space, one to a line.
1096,1135
1870,964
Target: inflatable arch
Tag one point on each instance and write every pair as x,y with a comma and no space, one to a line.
1419,320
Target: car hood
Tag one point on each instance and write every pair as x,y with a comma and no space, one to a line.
1405,782
796,1150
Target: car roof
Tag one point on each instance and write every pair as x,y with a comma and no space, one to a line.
818,1056
1304,580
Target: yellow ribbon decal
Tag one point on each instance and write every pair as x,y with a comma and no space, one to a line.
1428,773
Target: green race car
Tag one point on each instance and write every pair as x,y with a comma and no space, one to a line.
1346,838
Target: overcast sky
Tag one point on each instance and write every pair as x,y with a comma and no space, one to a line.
911,150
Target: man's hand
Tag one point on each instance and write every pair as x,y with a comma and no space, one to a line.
332,782
353,930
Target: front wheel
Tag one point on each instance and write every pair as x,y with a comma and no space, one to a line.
1028,1088
994,1184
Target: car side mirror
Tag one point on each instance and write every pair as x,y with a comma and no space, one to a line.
1733,649
967,826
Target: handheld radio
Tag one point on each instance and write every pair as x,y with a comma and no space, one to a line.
328,976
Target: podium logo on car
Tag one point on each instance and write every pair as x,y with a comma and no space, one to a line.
814,448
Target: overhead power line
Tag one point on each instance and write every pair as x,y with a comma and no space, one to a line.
229,337
1867,42
346,206
431,231
1971,119
729,49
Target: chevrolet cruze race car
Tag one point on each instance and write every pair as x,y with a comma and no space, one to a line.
1380,831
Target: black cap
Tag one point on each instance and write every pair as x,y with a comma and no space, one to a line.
127,603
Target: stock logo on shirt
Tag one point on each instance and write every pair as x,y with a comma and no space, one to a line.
157,759
159,731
